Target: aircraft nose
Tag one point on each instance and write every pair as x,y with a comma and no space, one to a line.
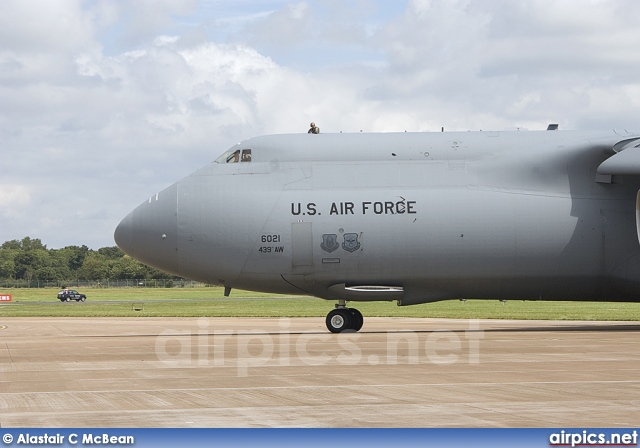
123,236
149,232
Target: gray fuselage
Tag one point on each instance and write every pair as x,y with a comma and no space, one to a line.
413,217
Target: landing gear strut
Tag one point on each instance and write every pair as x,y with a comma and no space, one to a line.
344,319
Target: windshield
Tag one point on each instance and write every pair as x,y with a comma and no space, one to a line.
231,156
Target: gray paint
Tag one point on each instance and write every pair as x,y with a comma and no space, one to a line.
488,215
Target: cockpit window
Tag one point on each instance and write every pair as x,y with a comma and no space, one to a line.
236,156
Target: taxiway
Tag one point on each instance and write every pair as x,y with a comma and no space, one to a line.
246,372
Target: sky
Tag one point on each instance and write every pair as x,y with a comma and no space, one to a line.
105,103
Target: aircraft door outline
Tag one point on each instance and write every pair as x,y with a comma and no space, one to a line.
301,247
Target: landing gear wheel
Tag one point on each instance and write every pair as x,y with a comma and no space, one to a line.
356,319
339,320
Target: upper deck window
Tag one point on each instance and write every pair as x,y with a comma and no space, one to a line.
239,155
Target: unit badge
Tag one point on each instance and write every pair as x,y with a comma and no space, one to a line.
351,243
329,242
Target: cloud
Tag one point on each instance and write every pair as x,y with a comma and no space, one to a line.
104,103
14,199
468,60
51,26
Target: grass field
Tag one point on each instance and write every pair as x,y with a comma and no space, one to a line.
210,302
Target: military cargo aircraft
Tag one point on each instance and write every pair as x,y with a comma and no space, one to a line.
406,217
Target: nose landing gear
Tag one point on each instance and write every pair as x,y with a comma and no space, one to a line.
344,319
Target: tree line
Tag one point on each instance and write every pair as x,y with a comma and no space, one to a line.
30,260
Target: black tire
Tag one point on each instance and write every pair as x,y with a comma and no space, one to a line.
357,320
338,320
82,299
68,299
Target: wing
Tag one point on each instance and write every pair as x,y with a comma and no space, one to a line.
625,161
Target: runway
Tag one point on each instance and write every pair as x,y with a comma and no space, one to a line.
257,372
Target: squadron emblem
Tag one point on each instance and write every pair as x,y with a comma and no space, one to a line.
329,242
351,243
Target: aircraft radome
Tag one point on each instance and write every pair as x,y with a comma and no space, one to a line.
412,217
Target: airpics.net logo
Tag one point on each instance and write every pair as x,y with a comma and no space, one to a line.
212,347
592,438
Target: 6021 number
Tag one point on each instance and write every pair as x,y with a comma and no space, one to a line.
270,238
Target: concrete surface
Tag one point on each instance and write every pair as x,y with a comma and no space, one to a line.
242,372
